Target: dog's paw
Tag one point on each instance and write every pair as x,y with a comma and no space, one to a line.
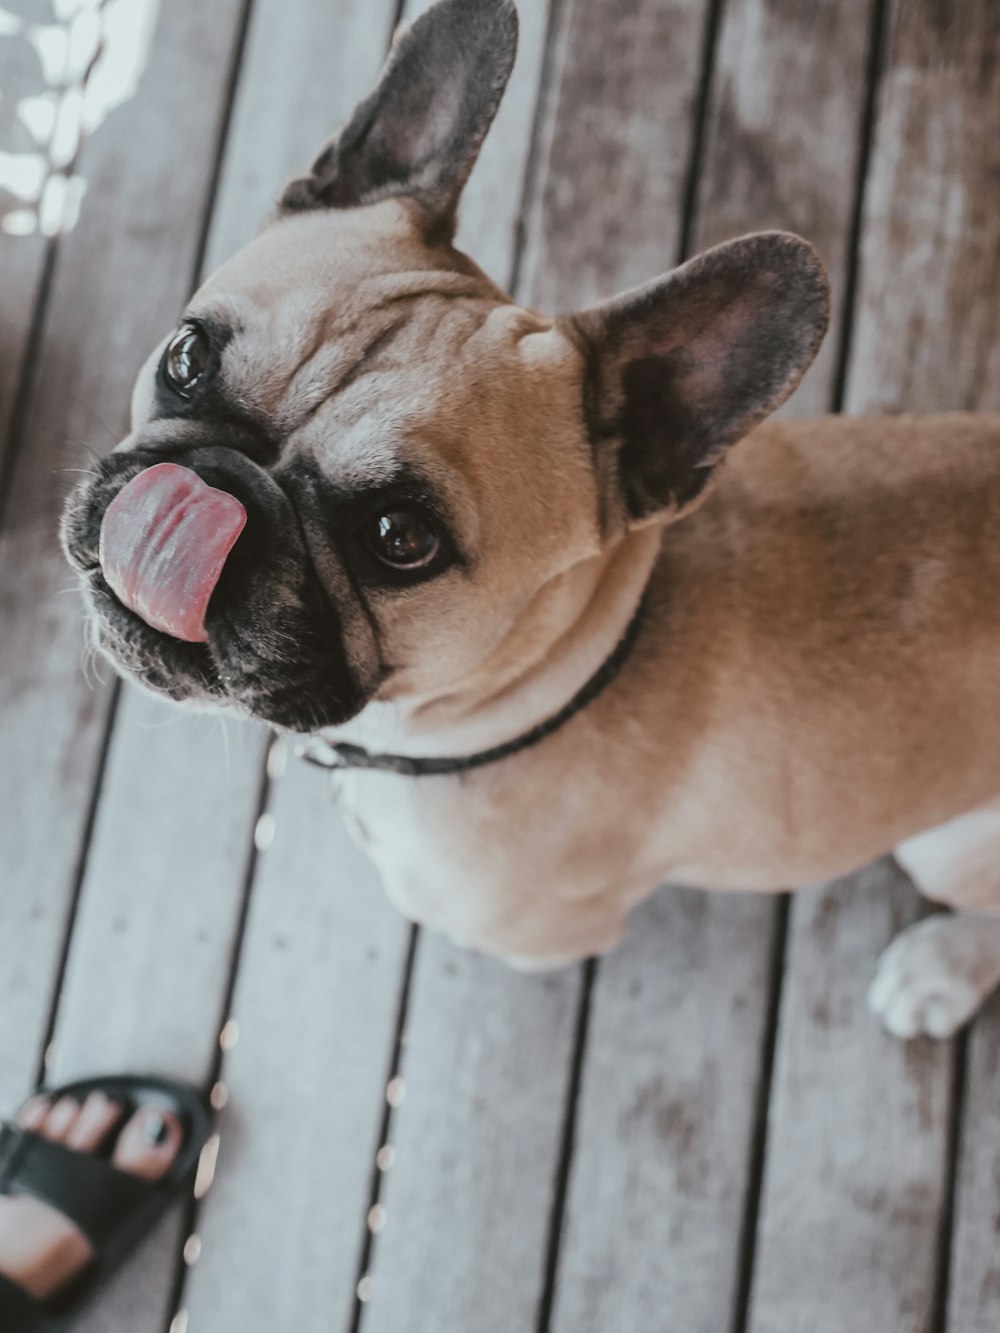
935,975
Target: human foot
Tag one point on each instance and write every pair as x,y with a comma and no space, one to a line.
42,1251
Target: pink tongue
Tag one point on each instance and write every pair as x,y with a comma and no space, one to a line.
164,541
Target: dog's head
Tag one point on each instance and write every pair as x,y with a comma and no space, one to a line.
418,458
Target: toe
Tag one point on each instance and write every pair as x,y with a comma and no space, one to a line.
941,1018
33,1113
60,1119
97,1118
902,1019
149,1143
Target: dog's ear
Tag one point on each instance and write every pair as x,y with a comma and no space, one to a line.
680,369
419,133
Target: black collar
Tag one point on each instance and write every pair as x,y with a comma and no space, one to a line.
339,755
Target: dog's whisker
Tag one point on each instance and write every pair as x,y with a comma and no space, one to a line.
223,730
68,445
91,660
99,421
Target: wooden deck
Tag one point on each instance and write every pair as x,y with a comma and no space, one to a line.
704,1133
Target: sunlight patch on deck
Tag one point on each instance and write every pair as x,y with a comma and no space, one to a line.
83,66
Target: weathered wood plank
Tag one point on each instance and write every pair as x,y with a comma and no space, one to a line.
147,967
490,214
783,139
119,281
605,212
857,1151
928,325
856,1146
316,1005
303,71
476,1143
22,257
974,1289
22,260
666,1120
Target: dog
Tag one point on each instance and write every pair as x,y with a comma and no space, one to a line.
567,614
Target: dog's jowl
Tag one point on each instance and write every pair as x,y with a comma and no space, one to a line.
570,614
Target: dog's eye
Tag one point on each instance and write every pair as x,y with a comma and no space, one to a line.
187,358
405,538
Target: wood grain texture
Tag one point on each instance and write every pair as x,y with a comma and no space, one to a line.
476,1141
782,142
119,281
927,334
857,1148
305,67
22,260
660,1168
316,1003
160,901
605,213
974,1288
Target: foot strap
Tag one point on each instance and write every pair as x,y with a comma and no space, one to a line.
93,1194
18,1312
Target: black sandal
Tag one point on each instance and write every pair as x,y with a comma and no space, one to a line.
112,1208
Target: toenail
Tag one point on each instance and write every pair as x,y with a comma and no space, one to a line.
155,1129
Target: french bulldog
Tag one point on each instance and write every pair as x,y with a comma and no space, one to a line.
568,613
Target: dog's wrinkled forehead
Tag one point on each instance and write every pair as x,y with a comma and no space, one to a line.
320,304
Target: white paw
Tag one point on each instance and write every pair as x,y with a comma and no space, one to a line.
934,976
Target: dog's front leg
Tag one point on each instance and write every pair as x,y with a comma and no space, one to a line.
935,976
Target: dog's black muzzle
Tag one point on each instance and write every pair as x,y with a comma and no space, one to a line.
275,645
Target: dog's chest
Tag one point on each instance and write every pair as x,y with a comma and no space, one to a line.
422,836
488,857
